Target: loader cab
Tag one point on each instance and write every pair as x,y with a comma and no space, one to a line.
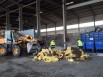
11,36
8,37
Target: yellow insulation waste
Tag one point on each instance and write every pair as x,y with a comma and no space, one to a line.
26,38
50,59
71,54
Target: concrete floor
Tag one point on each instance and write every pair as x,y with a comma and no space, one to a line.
25,67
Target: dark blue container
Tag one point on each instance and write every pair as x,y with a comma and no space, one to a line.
96,36
87,36
99,41
83,39
84,45
88,40
92,40
99,45
100,36
89,45
91,37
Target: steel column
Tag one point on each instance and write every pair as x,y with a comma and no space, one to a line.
46,31
94,21
8,27
20,18
38,17
79,26
64,21
55,29
93,15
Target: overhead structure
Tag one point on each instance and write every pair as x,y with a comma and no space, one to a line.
8,26
64,22
93,16
49,14
38,17
83,4
20,18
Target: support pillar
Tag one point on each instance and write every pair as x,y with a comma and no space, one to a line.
38,17
20,18
46,32
79,26
94,21
8,26
64,21
55,30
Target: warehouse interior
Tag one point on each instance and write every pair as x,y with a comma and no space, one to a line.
64,21
21,15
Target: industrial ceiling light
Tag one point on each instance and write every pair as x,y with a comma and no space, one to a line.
18,19
69,3
41,12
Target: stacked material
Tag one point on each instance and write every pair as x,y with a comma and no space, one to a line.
71,54
48,55
26,38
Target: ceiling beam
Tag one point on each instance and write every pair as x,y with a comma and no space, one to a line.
73,13
83,4
53,13
45,10
24,6
1,8
90,8
13,1
58,16
48,19
43,17
52,2
57,4
61,7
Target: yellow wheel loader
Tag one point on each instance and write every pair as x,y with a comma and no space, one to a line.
8,43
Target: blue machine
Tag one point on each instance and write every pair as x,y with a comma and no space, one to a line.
99,41
99,45
83,40
92,40
90,45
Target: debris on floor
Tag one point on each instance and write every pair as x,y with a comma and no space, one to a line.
53,55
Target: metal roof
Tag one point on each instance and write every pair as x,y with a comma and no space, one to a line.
51,11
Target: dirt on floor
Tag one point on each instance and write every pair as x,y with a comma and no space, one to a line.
25,67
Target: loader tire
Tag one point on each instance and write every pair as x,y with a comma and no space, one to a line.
35,52
16,51
3,50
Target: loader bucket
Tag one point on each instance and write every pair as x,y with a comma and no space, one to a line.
33,47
